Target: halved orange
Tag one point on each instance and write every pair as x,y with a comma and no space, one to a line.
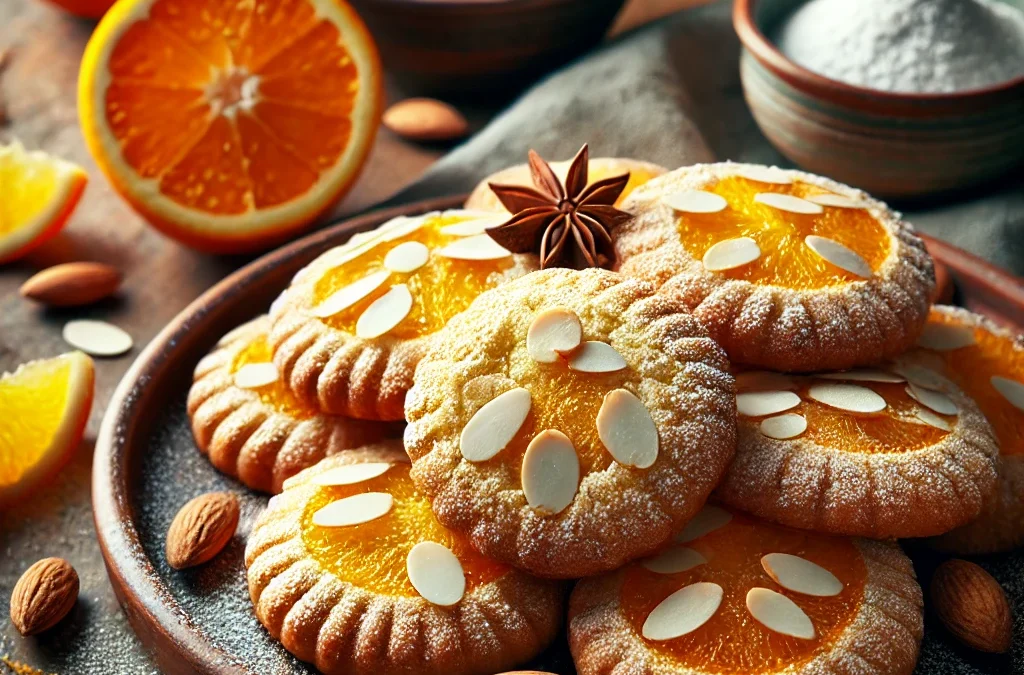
230,124
44,406
38,192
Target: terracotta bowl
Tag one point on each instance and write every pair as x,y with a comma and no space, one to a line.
463,46
893,145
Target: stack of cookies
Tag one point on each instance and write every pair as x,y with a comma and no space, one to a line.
716,395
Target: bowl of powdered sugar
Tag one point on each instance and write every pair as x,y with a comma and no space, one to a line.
904,98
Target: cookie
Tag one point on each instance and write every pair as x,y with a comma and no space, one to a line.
348,332
250,424
739,596
880,453
570,421
789,271
987,362
349,569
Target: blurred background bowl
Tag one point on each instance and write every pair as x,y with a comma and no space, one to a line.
893,145
468,46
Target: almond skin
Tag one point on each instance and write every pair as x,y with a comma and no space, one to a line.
201,529
425,119
44,595
72,284
972,606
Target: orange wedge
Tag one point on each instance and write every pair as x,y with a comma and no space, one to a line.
230,124
44,406
37,194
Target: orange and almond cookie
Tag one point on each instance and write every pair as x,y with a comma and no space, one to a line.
250,424
987,362
872,452
350,570
348,332
738,596
789,271
571,421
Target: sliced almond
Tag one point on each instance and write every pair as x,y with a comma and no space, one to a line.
551,472
761,403
494,425
625,426
931,419
730,254
765,174
708,519
842,257
256,375
788,203
354,510
474,226
1012,390
350,474
385,312
98,338
838,201
436,573
764,380
780,614
864,375
674,560
683,612
784,426
407,257
696,201
403,226
554,331
343,298
801,575
596,357
848,397
935,400
921,376
479,247
945,337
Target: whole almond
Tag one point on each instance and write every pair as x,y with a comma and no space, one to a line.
972,606
44,595
425,119
201,529
72,284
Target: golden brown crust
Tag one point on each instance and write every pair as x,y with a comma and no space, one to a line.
253,440
344,629
854,324
618,513
883,639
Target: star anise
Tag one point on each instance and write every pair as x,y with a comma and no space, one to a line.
567,225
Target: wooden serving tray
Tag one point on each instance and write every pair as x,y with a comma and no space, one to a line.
146,466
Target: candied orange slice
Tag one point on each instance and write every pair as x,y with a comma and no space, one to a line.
230,125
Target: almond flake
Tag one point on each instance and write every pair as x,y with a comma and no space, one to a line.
256,375
436,573
350,474
98,338
674,560
683,612
730,254
554,331
921,376
864,375
551,472
778,613
788,203
765,174
354,510
945,337
760,403
596,357
494,425
935,400
627,430
385,313
848,397
479,247
784,426
708,519
931,419
345,297
696,201
838,201
764,380
842,257
1012,390
407,257
403,226
475,226
800,575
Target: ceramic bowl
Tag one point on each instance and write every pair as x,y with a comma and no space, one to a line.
465,46
893,145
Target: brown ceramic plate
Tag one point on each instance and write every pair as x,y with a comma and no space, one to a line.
146,466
